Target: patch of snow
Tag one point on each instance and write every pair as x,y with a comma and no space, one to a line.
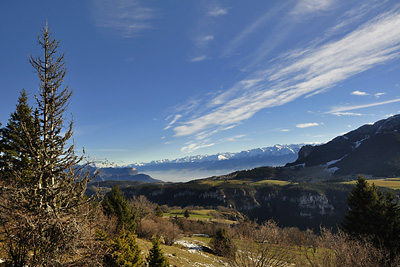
332,170
333,161
222,157
357,144
190,246
201,235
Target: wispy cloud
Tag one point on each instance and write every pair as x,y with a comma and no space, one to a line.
307,125
201,142
175,119
358,93
192,146
311,6
292,76
233,138
198,59
235,43
321,67
217,11
378,95
347,108
128,17
346,114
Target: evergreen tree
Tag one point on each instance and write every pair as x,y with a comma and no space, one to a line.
364,208
375,215
124,251
186,214
115,203
158,211
44,216
156,257
222,244
389,230
17,160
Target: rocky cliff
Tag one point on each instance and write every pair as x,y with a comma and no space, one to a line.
303,206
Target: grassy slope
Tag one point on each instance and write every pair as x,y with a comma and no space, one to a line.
202,215
391,183
178,255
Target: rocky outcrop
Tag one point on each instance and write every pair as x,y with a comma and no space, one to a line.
289,205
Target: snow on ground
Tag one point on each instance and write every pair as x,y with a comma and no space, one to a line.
192,247
198,248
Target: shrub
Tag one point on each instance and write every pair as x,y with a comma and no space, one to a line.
156,257
222,244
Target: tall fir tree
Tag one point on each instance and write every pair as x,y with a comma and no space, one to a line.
44,216
364,208
375,215
17,160
156,256
115,203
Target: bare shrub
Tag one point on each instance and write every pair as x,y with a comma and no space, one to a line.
142,208
148,229
168,230
160,227
294,236
341,250
260,246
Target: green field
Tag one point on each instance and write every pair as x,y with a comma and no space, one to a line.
392,183
202,215
244,182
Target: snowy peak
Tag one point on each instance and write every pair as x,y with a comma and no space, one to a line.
216,164
276,150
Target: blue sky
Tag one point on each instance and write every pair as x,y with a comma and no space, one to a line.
168,79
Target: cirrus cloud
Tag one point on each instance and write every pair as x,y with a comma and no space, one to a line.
320,66
307,125
358,93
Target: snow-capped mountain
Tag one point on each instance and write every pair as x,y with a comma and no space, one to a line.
276,155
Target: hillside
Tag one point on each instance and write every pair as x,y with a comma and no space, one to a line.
370,150
120,174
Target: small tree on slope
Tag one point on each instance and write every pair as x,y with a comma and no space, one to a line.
115,203
156,257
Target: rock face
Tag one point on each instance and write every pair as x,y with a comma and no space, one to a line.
290,205
304,151
370,150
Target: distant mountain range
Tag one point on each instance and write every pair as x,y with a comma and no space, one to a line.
372,149
277,155
120,174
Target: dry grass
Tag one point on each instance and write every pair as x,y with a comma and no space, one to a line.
245,182
178,255
202,215
392,183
